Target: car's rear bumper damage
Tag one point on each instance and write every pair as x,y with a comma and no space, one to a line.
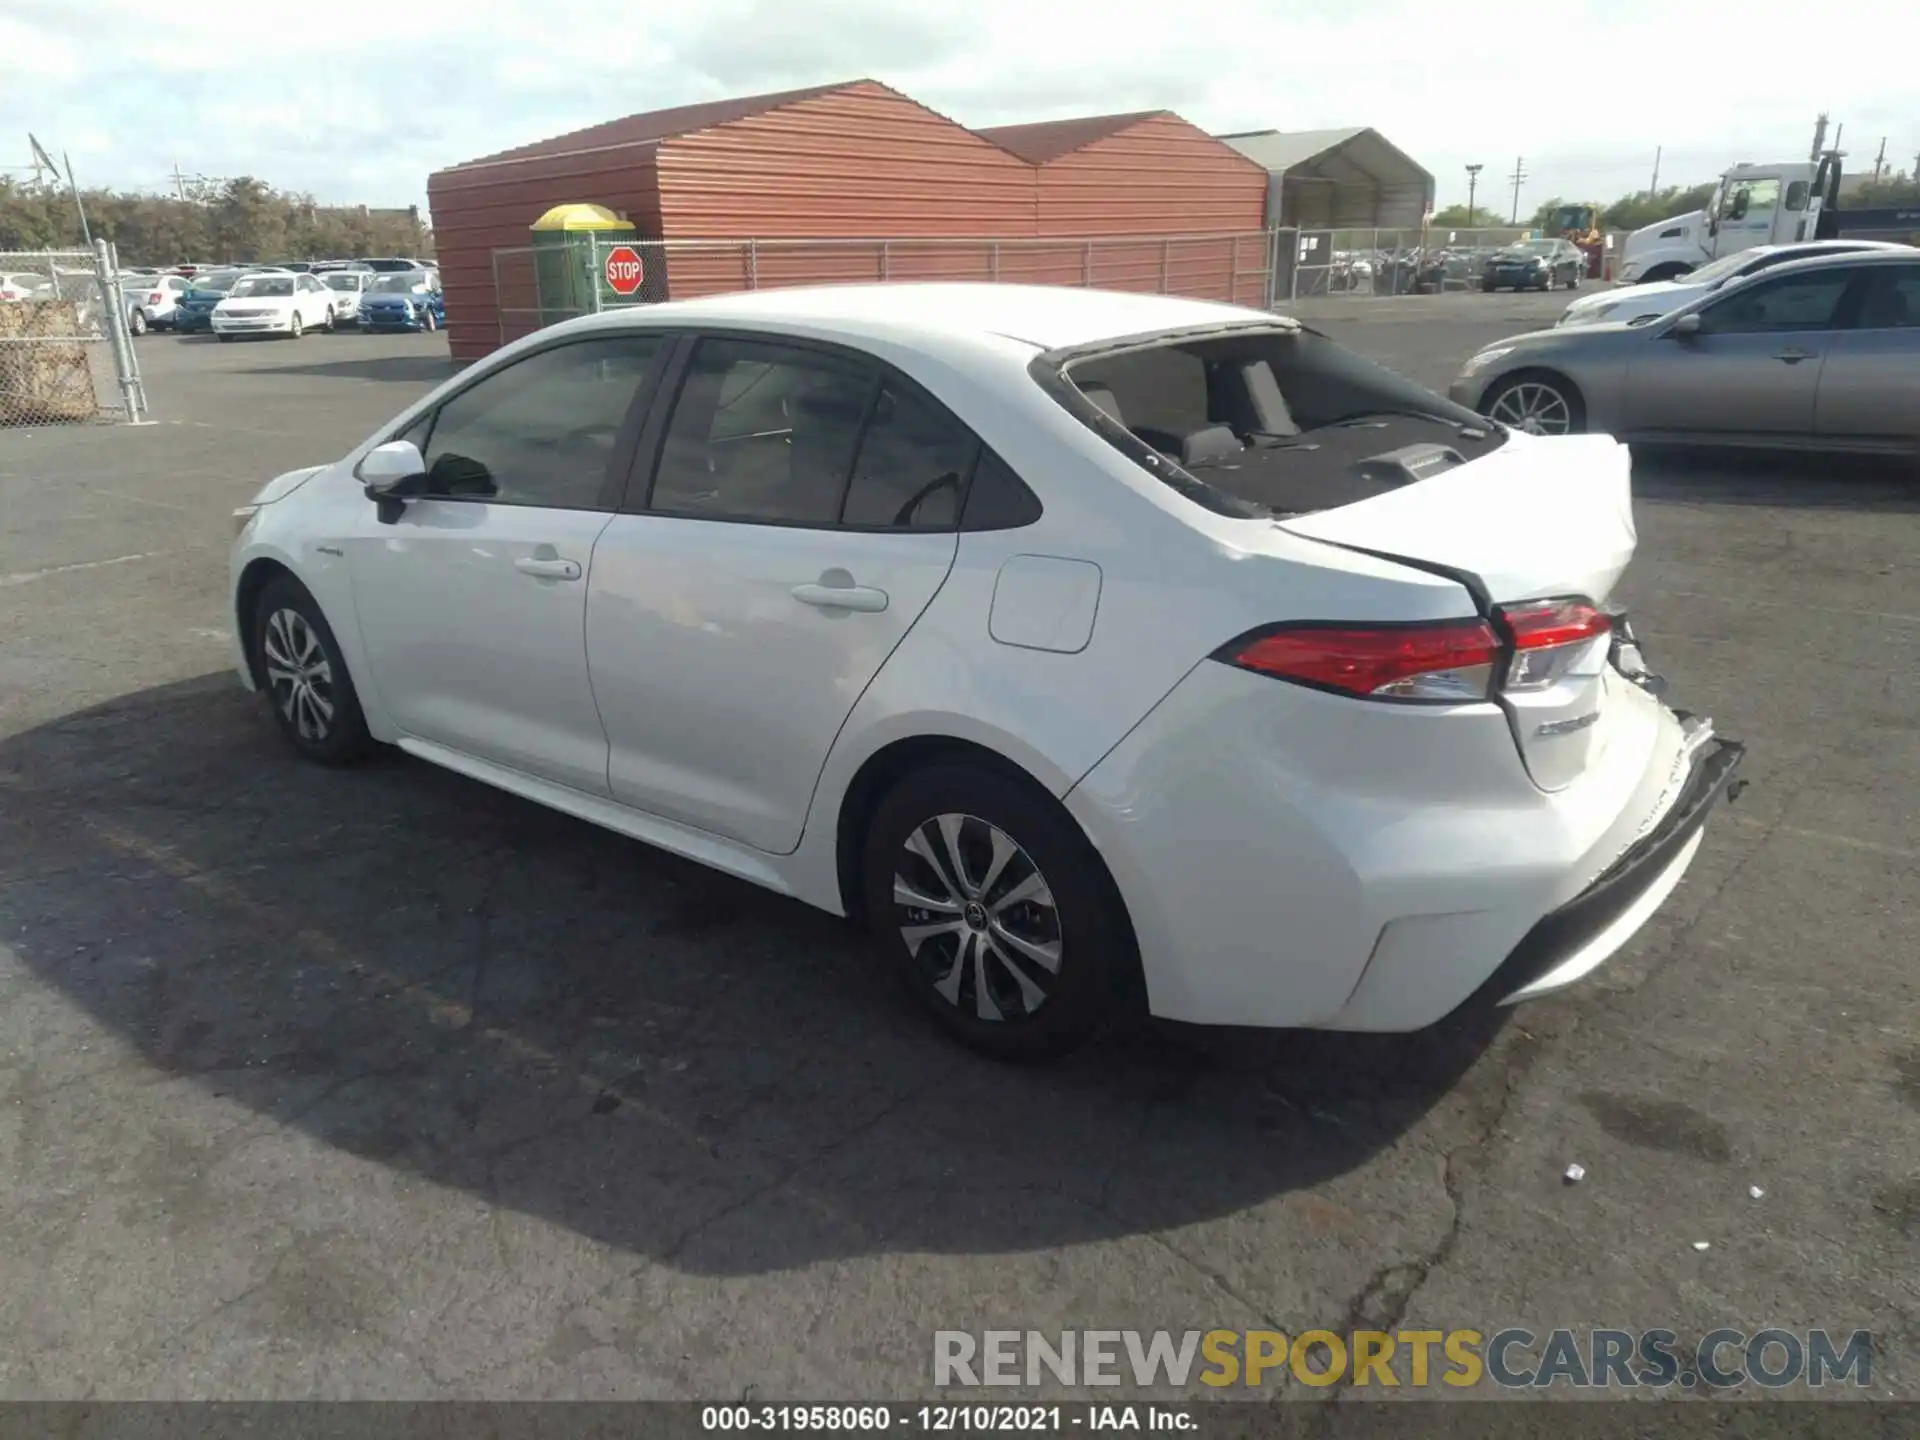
1581,935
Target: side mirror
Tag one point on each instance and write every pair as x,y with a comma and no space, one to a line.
1686,327
393,474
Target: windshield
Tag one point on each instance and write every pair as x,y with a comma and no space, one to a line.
1536,247
399,283
1260,422
343,280
218,281
1723,267
263,285
1573,217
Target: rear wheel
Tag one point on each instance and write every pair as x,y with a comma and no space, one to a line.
305,676
1537,402
995,911
137,322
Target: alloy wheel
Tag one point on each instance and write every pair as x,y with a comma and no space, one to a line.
977,917
299,674
1533,407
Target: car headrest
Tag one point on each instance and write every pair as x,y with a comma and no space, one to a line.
1216,442
1103,398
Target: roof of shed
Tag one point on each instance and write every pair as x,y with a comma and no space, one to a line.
1362,153
653,126
1050,139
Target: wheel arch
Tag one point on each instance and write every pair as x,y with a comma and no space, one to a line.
259,573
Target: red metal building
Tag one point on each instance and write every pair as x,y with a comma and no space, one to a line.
761,191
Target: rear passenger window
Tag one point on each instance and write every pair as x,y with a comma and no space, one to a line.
913,464
998,499
762,432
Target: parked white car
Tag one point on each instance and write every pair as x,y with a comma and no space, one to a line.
347,287
151,300
1629,303
1084,645
274,303
24,285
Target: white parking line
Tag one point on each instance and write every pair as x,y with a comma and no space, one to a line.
25,577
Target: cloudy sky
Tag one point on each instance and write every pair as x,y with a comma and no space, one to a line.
315,98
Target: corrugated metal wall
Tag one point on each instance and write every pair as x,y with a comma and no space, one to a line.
487,208
862,161
1159,176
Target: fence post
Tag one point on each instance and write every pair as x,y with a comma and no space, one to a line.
126,368
1086,266
993,261
594,272
1166,265
753,264
884,257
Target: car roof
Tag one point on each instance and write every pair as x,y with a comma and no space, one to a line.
1899,255
1048,317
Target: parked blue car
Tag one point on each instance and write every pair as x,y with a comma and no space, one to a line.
403,300
194,312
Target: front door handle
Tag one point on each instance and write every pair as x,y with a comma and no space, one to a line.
1794,357
863,598
545,568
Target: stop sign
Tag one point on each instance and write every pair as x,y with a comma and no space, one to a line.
624,270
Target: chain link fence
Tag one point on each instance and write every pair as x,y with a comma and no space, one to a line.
65,355
1392,262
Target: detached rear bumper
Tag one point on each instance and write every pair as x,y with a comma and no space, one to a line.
1583,934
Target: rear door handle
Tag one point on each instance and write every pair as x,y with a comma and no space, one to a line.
842,597
1794,357
547,569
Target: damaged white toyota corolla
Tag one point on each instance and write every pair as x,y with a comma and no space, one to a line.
1085,646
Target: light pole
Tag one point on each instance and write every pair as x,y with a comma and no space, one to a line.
1473,183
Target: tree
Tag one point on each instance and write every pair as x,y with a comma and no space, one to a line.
236,220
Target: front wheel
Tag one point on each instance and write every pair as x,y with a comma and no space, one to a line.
328,324
304,675
1573,280
1537,403
295,329
996,912
427,320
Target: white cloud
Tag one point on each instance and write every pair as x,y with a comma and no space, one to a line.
1586,103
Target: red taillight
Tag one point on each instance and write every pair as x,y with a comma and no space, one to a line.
1549,638
155,298
1447,661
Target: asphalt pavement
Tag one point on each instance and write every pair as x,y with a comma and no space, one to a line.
379,1083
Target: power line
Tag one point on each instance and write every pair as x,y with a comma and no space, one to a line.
1519,178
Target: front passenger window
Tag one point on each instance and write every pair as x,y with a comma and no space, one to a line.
542,430
1794,303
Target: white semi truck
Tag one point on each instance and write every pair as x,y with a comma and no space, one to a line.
1760,205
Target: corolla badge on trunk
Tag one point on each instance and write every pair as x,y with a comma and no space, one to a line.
1568,727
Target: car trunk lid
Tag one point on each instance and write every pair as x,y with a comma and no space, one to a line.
1538,520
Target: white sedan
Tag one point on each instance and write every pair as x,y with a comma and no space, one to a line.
347,287
274,303
1087,647
1631,303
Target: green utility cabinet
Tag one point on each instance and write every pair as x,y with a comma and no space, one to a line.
570,244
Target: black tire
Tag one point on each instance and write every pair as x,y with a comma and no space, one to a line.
296,327
343,736
137,322
328,327
1573,280
225,339
1486,287
1095,952
427,322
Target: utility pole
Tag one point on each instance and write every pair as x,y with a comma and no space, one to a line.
179,181
1880,160
1519,175
1473,182
1819,137
1654,188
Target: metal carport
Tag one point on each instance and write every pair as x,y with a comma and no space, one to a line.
1337,179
